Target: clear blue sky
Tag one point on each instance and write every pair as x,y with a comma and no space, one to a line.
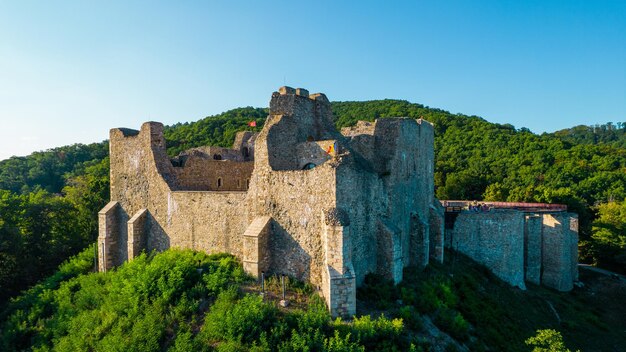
71,70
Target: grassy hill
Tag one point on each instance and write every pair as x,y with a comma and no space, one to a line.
184,300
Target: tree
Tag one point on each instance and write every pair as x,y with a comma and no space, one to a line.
547,340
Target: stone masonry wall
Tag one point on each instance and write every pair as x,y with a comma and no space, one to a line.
213,175
533,234
495,239
137,233
557,251
519,245
209,221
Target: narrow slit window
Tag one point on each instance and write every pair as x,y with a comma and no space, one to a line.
219,182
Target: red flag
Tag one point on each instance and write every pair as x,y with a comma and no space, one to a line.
252,123
331,149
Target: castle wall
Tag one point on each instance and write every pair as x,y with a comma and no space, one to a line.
314,152
518,245
294,200
557,249
142,177
208,221
141,174
360,195
200,174
533,234
495,239
437,232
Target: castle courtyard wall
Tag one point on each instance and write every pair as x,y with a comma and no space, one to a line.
206,221
200,174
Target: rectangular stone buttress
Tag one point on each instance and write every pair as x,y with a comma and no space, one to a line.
255,252
390,259
339,279
556,252
532,248
436,228
136,233
108,236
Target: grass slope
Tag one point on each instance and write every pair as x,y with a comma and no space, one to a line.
184,300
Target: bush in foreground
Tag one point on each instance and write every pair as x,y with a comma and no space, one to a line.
178,301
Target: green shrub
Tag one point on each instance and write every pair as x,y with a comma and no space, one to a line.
410,317
238,320
337,343
453,323
139,306
547,340
378,290
435,294
377,334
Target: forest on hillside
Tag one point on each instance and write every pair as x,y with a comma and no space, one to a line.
49,200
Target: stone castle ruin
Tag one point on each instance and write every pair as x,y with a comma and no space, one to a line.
298,198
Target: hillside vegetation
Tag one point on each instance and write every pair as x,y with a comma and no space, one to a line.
190,301
49,200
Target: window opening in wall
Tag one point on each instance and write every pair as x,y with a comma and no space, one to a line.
246,152
219,182
217,157
238,183
247,183
309,139
308,166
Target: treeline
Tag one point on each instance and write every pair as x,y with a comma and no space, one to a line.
40,229
49,170
50,201
608,133
218,130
